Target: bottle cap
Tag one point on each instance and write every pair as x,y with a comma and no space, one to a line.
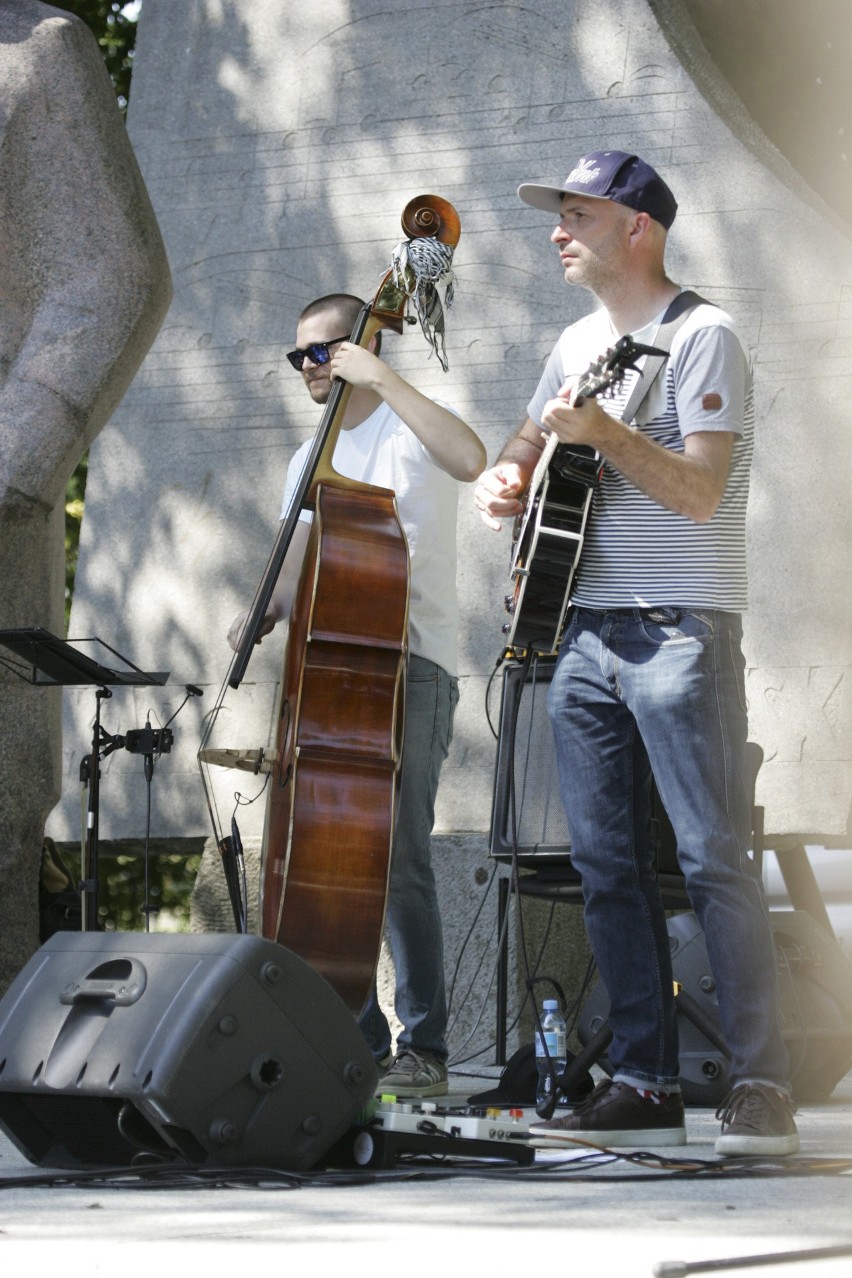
550,1004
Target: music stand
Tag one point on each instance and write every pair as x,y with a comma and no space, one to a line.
49,662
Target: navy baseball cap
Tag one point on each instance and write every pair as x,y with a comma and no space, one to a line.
609,175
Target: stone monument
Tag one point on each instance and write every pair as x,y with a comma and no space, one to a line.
85,284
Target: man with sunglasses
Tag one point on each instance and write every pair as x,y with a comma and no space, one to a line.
649,676
397,438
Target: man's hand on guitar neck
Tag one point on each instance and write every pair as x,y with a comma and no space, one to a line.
580,422
498,493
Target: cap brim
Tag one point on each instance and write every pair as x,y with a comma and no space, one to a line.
550,198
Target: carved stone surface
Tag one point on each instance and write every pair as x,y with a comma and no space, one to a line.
85,283
280,144
295,139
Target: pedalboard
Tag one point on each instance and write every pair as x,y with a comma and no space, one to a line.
395,1129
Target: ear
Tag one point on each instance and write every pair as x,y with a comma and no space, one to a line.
640,227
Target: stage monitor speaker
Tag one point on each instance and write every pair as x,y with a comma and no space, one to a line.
216,1049
526,762
815,986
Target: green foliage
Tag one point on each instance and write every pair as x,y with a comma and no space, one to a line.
114,27
74,501
122,895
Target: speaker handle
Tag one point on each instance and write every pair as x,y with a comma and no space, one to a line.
121,989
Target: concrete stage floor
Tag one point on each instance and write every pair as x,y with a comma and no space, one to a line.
616,1219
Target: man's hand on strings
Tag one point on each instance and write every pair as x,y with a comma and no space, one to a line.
499,491
497,496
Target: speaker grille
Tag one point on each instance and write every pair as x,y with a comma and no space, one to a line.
526,759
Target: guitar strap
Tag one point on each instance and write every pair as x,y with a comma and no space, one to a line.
675,314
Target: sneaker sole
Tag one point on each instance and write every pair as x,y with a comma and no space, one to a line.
387,1089
642,1138
758,1145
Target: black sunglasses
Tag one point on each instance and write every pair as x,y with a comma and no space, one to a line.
316,352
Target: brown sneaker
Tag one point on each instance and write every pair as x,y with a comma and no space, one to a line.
616,1115
757,1120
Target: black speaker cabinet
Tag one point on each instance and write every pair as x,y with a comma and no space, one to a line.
815,985
526,765
526,768
220,1050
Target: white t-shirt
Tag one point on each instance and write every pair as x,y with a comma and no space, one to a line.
637,553
383,451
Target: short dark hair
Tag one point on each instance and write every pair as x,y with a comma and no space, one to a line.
346,307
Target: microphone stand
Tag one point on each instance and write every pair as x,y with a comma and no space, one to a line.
90,772
44,660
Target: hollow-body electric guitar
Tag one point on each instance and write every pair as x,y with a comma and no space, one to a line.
547,539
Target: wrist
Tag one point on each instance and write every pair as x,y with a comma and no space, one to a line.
383,380
609,433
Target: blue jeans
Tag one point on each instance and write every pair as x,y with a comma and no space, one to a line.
632,696
413,918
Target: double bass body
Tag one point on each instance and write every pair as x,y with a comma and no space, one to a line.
330,809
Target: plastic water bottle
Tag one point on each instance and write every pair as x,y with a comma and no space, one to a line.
555,1037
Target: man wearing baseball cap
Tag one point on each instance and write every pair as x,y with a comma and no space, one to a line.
649,678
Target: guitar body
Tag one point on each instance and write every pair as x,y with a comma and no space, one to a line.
548,537
333,786
547,543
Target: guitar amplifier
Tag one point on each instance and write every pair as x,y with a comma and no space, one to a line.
527,809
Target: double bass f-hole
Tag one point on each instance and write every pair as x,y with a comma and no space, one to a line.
283,767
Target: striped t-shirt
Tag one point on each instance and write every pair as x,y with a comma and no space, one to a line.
637,553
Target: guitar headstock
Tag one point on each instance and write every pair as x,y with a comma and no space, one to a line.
607,372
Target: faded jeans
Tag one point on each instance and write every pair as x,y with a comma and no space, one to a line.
413,920
633,695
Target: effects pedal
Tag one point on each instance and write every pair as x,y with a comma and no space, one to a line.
395,1129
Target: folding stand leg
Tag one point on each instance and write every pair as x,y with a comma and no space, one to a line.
502,990
586,1057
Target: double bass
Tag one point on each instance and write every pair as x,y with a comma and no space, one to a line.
333,773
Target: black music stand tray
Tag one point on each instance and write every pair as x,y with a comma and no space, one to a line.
49,662
45,660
